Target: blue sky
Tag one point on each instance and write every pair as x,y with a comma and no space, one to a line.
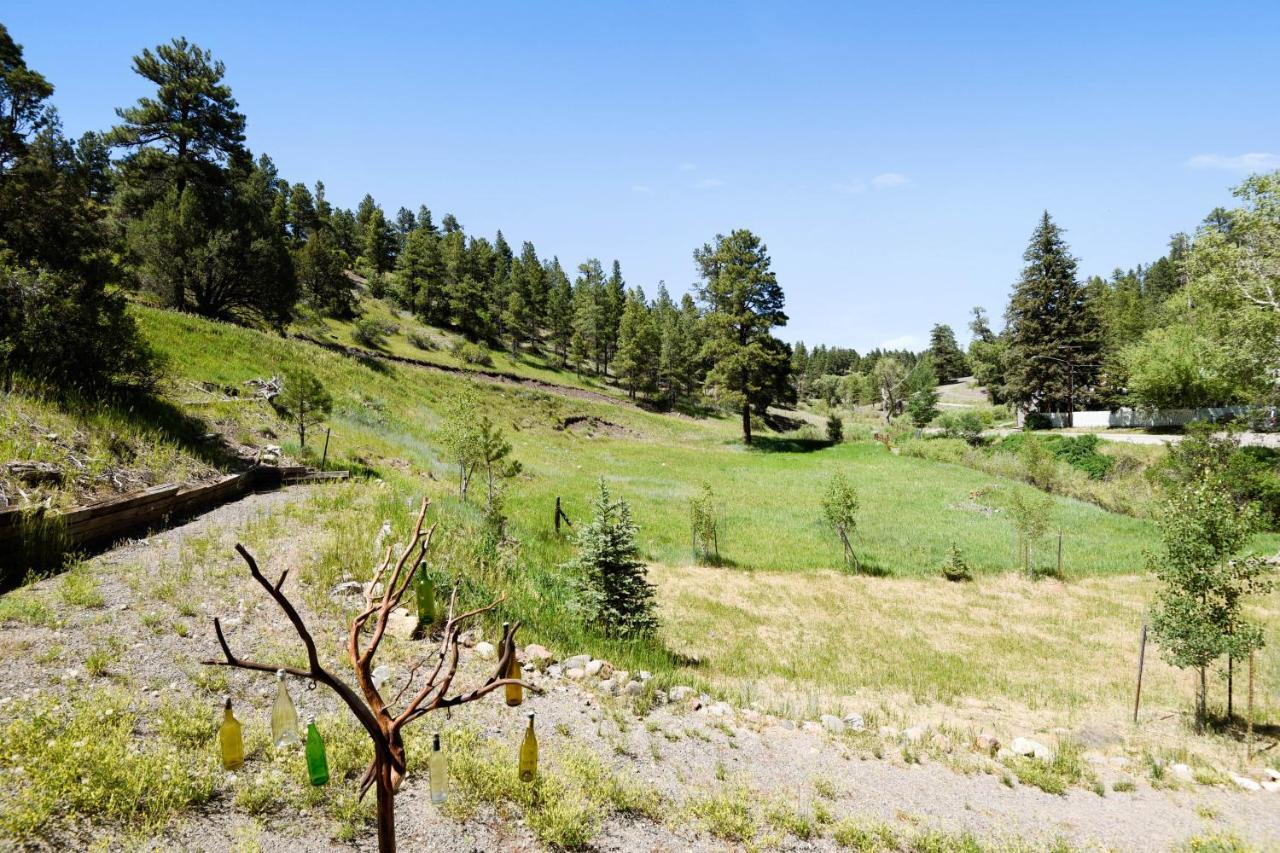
894,159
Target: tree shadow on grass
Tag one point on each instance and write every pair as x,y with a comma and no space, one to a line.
786,444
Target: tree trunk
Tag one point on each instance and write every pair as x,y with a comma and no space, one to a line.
746,423
386,809
1200,704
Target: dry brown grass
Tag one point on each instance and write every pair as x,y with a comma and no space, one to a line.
1004,652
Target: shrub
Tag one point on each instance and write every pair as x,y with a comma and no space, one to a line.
472,353
956,568
612,584
966,425
69,334
703,519
835,429
422,341
370,333
1036,420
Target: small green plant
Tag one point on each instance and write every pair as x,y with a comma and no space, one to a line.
956,568
99,661
422,341
1066,768
25,606
703,523
1124,786
726,814
1031,513
472,353
79,588
784,817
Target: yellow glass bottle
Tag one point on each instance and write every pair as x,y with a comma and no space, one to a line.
514,692
529,754
438,772
231,739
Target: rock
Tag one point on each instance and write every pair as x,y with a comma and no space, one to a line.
609,686
1272,786
1182,771
1028,747
575,674
645,675
599,669
695,703
659,697
854,722
486,651
1272,774
832,723
680,692
987,742
633,688
554,671
1245,783
401,623
347,588
621,676
577,662
35,473
914,734
789,725
468,637
538,655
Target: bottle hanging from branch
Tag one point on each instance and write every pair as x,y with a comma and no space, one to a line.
284,717
425,591
514,692
231,739
529,754
317,762
438,772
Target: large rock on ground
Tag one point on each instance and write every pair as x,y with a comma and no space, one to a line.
1025,746
833,724
486,651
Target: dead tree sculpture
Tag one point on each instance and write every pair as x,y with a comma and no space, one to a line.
383,724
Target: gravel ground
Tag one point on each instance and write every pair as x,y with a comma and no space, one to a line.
676,748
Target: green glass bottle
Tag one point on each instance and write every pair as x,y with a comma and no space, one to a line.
317,763
231,739
284,717
514,692
425,590
438,772
529,754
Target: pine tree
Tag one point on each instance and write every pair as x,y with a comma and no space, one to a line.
748,366
610,579
1054,334
192,118
302,213
421,272
559,314
321,269
379,245
613,300
638,345
948,361
588,343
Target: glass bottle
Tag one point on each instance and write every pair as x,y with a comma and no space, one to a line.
284,717
439,773
529,754
514,692
317,763
425,590
231,740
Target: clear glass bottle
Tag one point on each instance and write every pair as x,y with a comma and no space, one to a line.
514,692
438,772
230,739
425,591
317,762
284,717
529,754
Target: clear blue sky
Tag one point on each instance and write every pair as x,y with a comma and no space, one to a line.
893,156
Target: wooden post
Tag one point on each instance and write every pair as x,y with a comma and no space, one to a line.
1059,552
1142,655
1248,737
1231,692
324,457
557,514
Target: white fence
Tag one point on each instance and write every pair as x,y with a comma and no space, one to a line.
1140,417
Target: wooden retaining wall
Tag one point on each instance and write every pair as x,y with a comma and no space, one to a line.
99,524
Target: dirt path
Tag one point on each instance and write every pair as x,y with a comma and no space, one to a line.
684,752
